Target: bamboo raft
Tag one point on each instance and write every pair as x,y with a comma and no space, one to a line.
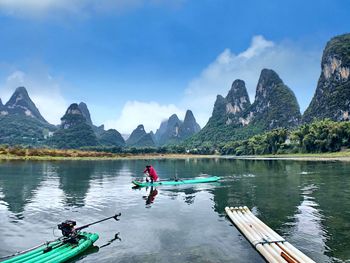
270,245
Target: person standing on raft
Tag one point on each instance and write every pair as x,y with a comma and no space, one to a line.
151,173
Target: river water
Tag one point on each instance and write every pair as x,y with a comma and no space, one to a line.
308,203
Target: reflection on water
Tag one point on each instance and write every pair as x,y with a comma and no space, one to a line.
115,238
18,182
150,197
74,180
308,228
306,202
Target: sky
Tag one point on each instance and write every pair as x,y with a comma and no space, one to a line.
139,61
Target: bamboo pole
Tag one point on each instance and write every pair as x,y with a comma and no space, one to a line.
265,253
273,236
269,237
250,236
259,238
286,245
269,244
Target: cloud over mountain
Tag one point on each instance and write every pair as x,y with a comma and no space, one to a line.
298,67
150,114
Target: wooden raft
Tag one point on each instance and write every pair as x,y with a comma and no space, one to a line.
269,244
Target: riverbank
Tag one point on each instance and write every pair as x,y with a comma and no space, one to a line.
59,155
9,157
334,156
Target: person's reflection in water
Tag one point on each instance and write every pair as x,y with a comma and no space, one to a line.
151,196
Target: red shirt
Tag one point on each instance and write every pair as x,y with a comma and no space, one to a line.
152,173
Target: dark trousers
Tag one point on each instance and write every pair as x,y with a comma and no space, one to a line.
149,180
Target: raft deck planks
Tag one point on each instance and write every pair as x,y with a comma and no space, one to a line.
269,244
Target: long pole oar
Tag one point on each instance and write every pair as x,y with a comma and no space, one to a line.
99,221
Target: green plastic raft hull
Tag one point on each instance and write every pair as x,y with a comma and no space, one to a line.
60,252
178,182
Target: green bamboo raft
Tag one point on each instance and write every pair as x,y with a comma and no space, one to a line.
59,251
178,182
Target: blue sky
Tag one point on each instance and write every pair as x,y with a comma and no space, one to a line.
138,61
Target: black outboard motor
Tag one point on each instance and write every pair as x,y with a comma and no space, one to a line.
67,228
71,234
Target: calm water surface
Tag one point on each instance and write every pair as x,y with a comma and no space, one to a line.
306,202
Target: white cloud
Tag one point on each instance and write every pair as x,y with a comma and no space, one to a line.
150,114
258,45
40,8
298,67
43,89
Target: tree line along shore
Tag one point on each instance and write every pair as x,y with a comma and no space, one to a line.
325,139
21,153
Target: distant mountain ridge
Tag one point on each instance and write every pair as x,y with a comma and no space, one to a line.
21,122
332,95
85,111
168,130
189,126
72,117
111,137
275,104
74,131
231,109
99,130
235,118
77,130
139,138
21,104
173,130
